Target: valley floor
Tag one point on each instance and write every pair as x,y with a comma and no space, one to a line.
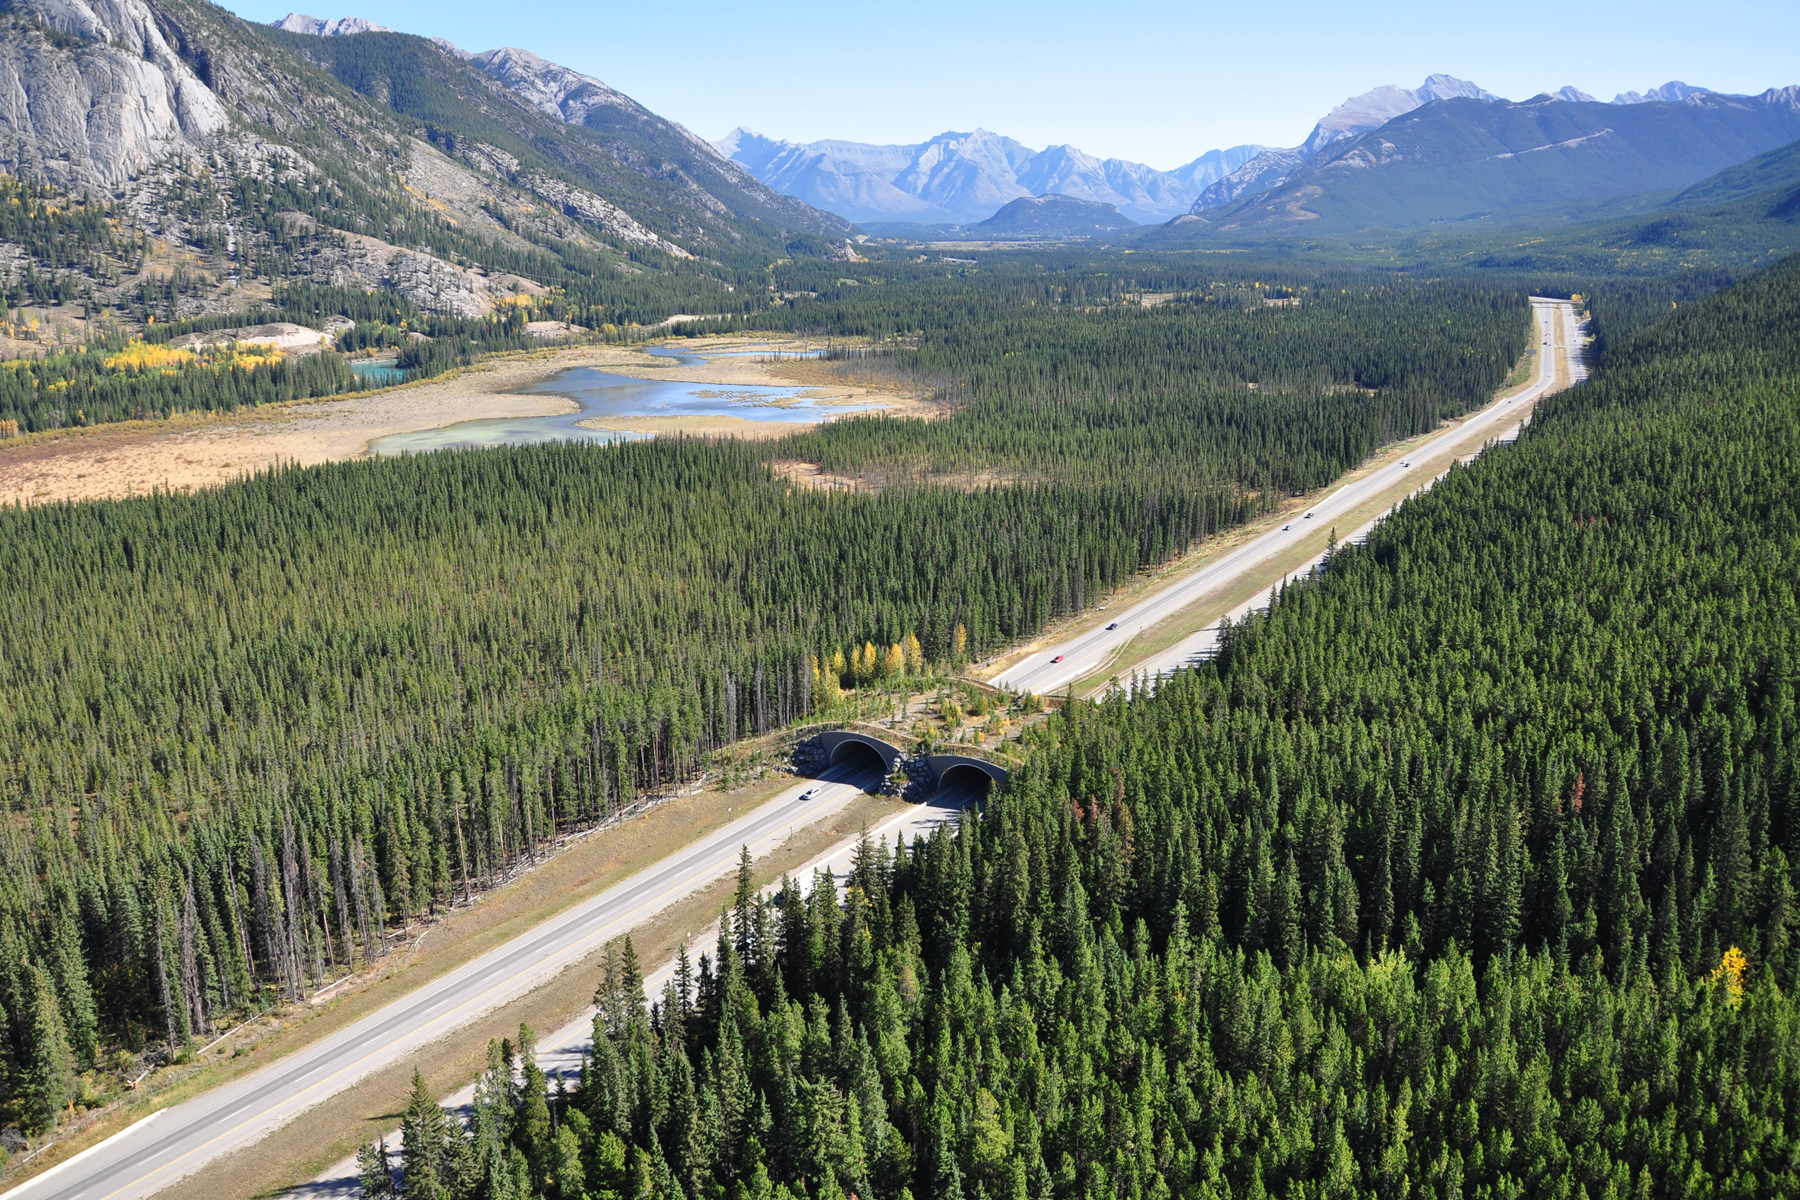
112,461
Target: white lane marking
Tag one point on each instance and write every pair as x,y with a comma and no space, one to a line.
93,1149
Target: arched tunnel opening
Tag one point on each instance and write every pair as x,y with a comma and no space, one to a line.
965,778
857,754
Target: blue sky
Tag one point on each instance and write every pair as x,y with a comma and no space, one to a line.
1155,81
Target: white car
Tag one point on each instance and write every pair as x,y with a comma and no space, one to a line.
809,793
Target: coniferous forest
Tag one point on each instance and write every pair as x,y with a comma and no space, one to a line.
1277,376
259,727
1466,870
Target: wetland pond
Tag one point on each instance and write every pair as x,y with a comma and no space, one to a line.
600,395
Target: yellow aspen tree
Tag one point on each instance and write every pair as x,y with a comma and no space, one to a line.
871,661
959,641
915,653
1730,972
837,663
893,663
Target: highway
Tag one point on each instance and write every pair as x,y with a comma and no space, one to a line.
563,1049
174,1143
156,1152
1055,667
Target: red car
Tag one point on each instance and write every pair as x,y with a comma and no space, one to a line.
1057,659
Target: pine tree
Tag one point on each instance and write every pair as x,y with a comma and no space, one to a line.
426,1151
46,1071
374,1172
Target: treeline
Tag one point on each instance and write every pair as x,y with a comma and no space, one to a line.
70,237
1469,869
1054,369
600,283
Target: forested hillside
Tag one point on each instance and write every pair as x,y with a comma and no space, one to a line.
1467,870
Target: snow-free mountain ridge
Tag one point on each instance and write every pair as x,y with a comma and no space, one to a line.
1373,109
287,128
959,177
335,27
1472,160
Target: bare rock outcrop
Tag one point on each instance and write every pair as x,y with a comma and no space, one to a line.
584,205
91,93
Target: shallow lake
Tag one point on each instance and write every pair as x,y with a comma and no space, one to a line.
602,394
378,372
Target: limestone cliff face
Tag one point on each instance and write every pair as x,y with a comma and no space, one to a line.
91,93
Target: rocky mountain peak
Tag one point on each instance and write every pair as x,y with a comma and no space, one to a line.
556,90
334,27
1354,117
1671,92
1377,106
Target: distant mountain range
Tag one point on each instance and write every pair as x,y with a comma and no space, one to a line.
1471,158
1463,158
1445,151
1374,110
965,177
958,178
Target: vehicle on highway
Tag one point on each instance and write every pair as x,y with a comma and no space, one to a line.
1309,516
1113,626
1057,659
1285,528
1405,464
809,793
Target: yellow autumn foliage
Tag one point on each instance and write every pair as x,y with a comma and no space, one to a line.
1730,972
139,355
